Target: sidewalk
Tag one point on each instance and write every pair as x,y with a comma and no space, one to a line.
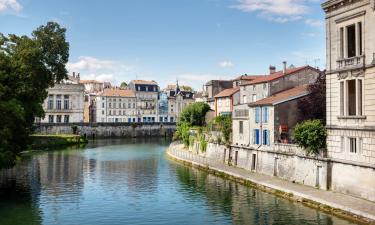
349,204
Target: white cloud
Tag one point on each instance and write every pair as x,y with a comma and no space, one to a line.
226,64
280,11
10,5
99,69
314,23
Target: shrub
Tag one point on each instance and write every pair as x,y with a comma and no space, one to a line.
194,114
311,135
183,133
225,126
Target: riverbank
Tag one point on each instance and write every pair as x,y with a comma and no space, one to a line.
338,204
52,141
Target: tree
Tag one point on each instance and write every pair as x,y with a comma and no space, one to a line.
311,135
224,123
123,85
313,106
28,66
194,114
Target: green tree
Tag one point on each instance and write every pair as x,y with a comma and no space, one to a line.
123,85
28,66
224,123
311,135
194,114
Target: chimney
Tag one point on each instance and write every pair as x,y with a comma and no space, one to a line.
74,74
272,69
78,76
284,71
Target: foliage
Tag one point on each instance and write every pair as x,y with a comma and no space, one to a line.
225,126
194,114
186,88
123,85
183,133
74,129
28,66
313,106
311,135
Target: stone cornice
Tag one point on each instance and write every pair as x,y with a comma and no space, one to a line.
333,5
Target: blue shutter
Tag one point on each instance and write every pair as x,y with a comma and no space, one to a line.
257,111
265,114
257,136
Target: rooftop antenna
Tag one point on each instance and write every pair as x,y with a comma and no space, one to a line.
316,62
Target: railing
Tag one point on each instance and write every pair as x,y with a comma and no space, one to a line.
351,62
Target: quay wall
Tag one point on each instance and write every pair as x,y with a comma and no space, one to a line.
289,162
94,130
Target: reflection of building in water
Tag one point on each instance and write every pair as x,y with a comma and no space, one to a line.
61,171
137,175
246,205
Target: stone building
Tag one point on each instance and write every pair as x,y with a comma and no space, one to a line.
273,119
214,87
264,87
65,102
147,93
226,100
178,98
116,105
350,30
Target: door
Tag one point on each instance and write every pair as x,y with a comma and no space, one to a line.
235,158
319,177
253,162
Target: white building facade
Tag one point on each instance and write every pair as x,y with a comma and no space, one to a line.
115,105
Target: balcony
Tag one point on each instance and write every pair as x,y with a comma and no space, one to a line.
353,62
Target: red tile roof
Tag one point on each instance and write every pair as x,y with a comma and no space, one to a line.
290,94
248,77
227,92
277,75
117,92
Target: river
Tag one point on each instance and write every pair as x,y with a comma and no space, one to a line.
124,181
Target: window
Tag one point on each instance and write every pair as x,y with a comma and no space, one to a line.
257,114
110,105
58,101
244,99
50,101
50,119
265,114
103,105
110,112
66,119
256,136
241,127
254,97
102,112
353,145
351,97
351,40
266,137
264,86
66,101
58,119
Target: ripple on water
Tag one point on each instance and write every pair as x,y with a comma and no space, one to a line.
131,182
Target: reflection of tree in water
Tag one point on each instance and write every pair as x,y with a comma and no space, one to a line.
246,205
19,192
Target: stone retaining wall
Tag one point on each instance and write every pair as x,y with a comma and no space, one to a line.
110,129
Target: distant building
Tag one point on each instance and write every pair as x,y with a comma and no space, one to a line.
116,105
178,98
65,102
226,100
147,93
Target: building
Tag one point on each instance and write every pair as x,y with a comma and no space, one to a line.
273,119
116,105
177,99
214,87
65,102
147,93
263,87
350,79
226,100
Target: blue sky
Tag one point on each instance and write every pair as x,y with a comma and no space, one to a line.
192,40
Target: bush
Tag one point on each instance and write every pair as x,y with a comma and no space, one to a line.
311,135
183,133
225,127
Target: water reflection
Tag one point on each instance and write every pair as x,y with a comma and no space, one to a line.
131,182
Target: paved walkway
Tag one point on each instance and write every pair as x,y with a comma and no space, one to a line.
340,201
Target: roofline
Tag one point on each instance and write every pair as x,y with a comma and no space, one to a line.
281,101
